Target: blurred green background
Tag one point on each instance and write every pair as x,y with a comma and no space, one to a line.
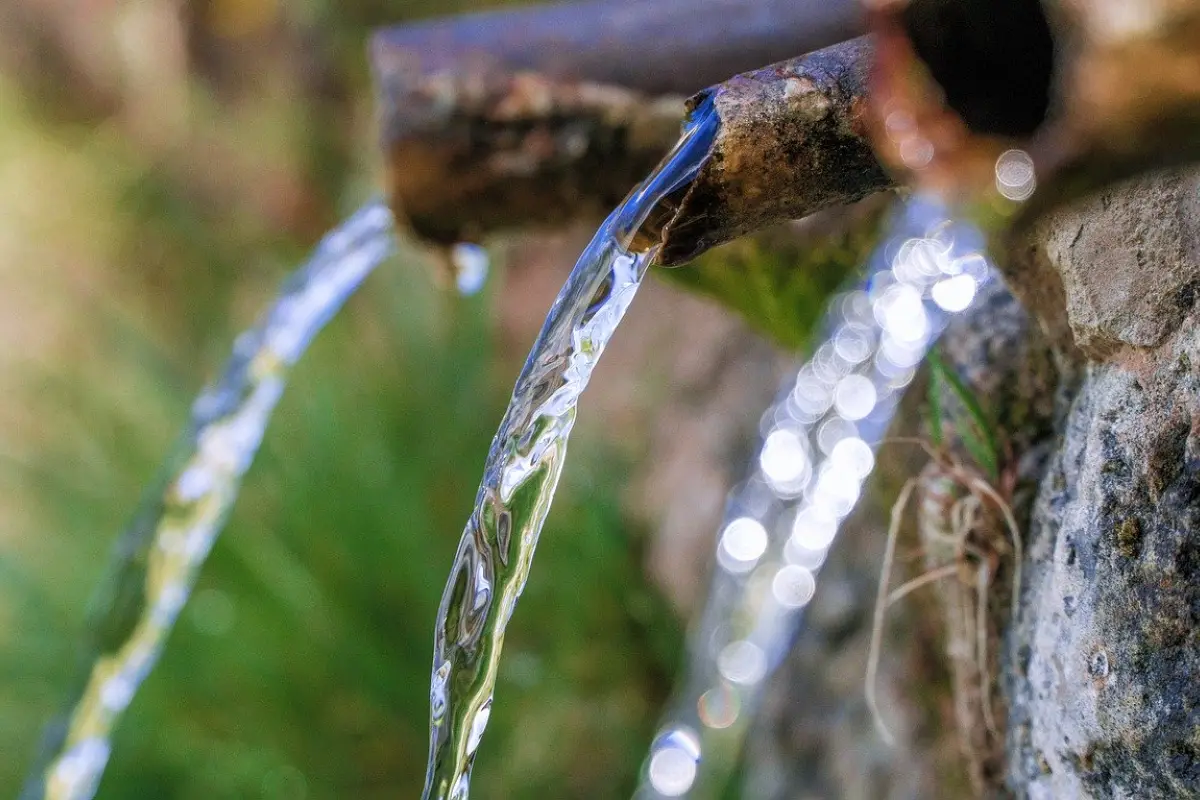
162,165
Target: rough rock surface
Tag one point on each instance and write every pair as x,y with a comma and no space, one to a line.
1102,683
1130,261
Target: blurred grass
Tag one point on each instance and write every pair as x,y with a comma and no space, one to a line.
146,213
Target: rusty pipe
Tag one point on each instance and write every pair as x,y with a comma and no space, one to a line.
792,140
538,116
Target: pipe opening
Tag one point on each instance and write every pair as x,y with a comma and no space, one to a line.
994,59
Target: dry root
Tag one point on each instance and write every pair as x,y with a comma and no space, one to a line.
968,532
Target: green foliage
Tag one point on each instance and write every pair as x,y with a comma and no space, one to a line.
935,415
972,426
778,281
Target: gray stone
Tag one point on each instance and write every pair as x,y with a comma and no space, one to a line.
1104,672
1103,661
1130,261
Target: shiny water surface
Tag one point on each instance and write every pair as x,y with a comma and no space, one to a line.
158,560
817,450
526,459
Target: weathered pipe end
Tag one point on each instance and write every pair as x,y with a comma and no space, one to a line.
792,140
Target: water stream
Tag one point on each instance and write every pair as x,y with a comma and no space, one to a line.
158,559
818,447
526,459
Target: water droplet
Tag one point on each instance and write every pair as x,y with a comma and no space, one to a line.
793,586
742,662
796,553
811,397
785,463
1015,175
896,356
673,763
853,344
919,260
827,365
854,397
814,528
901,312
856,309
899,125
954,294
837,490
855,455
916,152
833,431
973,264
742,543
718,708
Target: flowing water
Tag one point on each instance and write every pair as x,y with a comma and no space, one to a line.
158,559
818,447
526,459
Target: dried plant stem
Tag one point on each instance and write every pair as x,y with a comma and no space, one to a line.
908,587
881,605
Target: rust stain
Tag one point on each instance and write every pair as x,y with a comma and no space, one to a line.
914,133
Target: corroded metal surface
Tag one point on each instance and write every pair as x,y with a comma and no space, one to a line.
792,141
538,116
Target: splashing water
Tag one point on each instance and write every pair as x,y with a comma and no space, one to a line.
526,459
158,559
818,447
